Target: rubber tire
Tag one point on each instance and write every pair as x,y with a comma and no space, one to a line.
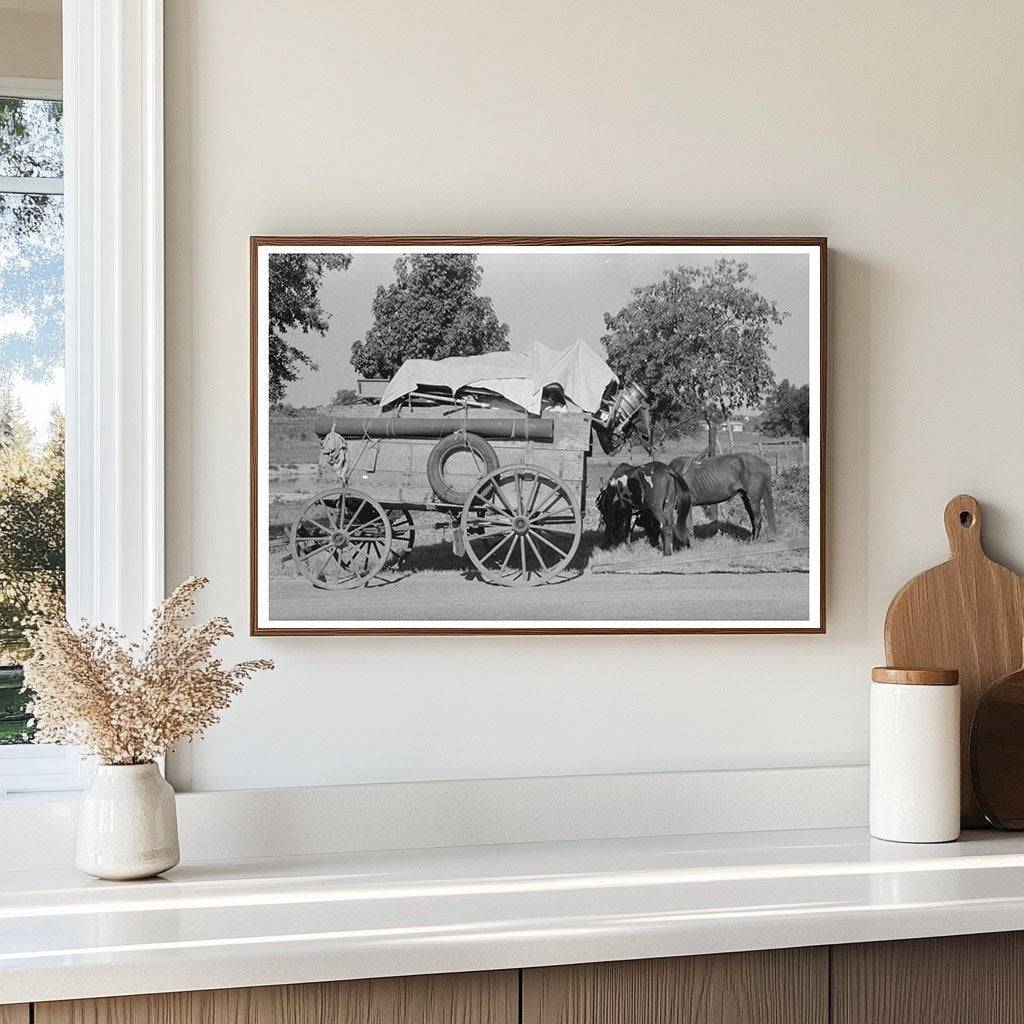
447,447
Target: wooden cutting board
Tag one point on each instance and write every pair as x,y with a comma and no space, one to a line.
967,614
997,752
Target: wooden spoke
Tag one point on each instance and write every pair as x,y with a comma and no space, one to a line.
548,504
559,518
530,553
350,557
496,487
506,516
403,534
551,529
308,552
531,501
355,517
508,557
536,553
480,535
495,548
332,514
554,547
491,521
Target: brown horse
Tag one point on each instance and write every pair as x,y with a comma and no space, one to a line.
656,497
717,478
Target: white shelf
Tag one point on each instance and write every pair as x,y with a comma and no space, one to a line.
351,915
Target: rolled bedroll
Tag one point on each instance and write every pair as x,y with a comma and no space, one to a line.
507,428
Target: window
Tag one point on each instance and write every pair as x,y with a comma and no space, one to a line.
32,510
107,143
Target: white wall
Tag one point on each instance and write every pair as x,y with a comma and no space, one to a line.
895,129
30,40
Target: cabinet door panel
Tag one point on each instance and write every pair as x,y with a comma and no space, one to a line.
14,1013
482,998
961,979
778,986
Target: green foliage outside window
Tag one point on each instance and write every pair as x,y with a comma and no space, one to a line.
31,352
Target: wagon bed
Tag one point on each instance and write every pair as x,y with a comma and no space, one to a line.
518,518
396,471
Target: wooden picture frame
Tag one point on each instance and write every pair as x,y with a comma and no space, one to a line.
692,253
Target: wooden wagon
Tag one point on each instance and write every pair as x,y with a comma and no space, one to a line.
491,449
510,490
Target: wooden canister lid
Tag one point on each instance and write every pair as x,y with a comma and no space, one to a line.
916,676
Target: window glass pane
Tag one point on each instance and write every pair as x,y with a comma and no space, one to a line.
31,138
31,433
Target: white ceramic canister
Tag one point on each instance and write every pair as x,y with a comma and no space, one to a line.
915,755
127,825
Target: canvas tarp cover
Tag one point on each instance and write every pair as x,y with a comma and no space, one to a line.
518,376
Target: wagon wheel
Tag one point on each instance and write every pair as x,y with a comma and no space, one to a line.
521,526
341,539
403,534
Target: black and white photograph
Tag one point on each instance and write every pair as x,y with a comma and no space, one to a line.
537,435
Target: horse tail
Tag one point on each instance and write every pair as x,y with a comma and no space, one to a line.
769,509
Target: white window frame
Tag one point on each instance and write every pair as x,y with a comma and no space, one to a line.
32,88
114,323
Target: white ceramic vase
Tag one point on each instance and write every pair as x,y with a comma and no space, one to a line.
127,825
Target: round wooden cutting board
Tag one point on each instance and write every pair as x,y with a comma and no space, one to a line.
967,614
997,752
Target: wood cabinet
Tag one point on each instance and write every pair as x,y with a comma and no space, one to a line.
483,998
971,979
776,986
962,979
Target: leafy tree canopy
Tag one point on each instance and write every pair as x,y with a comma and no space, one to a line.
344,396
31,242
431,311
31,142
31,525
787,412
294,281
698,341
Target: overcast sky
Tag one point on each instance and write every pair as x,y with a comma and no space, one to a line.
552,297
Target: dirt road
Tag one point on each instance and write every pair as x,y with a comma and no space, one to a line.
449,595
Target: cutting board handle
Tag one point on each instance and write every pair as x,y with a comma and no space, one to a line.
963,526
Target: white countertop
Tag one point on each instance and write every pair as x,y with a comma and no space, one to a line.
261,922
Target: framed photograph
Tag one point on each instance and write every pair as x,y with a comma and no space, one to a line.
537,435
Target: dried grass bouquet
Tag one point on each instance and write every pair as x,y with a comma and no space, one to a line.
129,703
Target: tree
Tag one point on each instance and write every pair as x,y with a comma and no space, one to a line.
431,311
698,341
294,281
31,242
31,526
344,396
787,411
31,132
